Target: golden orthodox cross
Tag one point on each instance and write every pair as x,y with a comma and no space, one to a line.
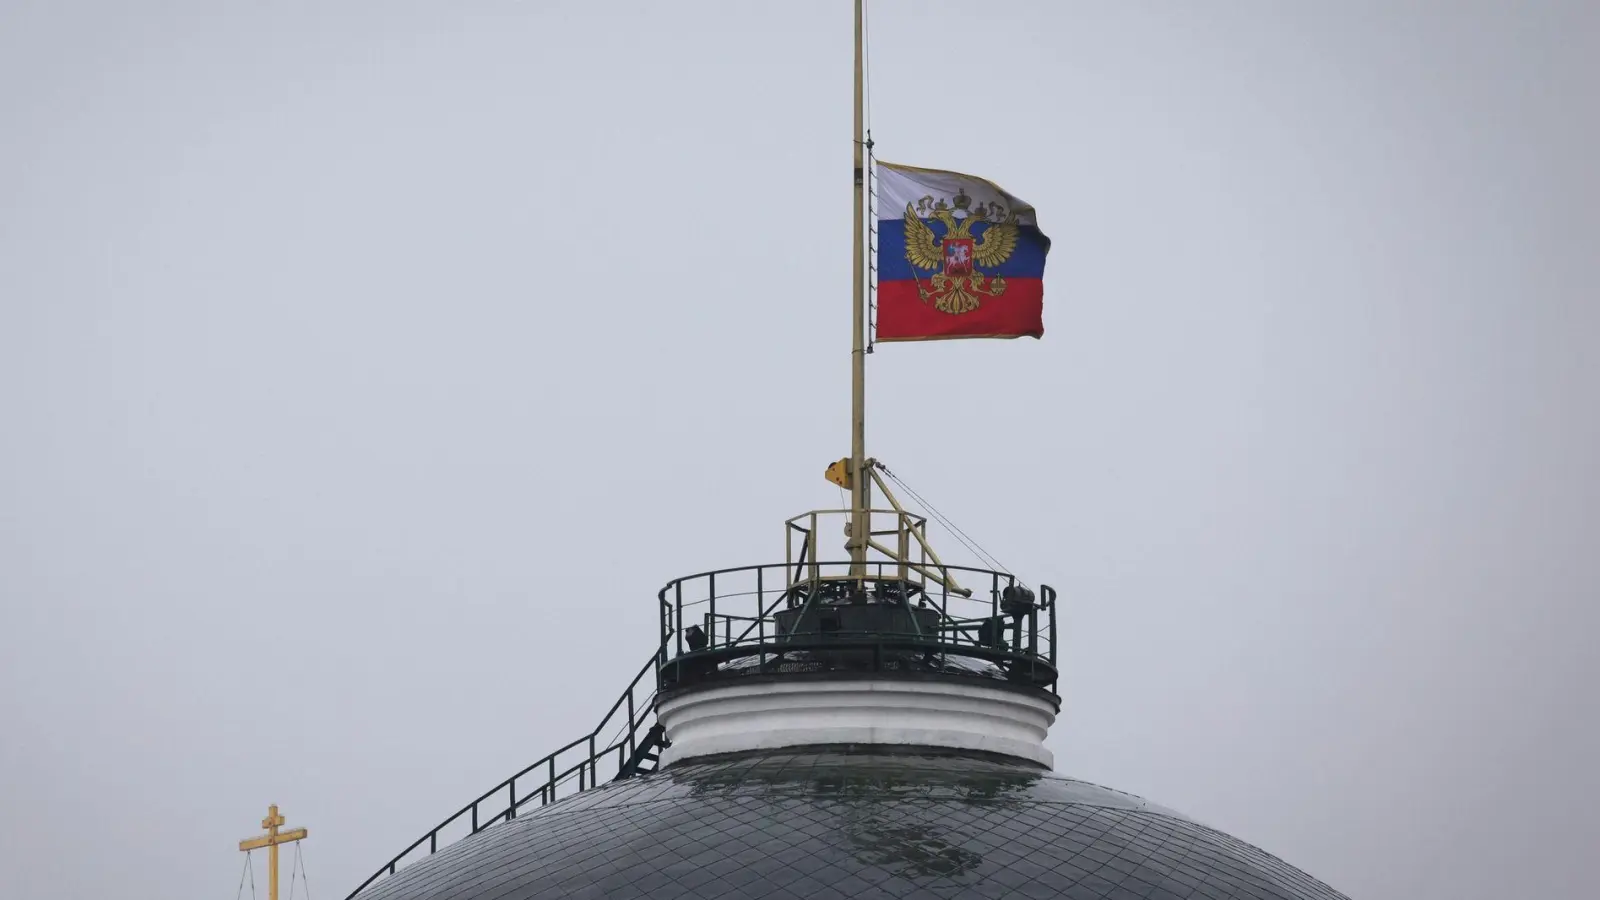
271,840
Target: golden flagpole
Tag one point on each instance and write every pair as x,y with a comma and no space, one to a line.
860,490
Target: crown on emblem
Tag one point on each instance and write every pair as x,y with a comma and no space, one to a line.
960,207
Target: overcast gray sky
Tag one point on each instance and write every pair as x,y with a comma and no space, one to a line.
365,367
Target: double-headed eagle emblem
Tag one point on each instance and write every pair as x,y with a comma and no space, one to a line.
957,286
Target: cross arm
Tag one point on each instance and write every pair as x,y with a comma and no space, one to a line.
267,840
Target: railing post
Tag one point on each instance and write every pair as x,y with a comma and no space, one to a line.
433,846
1054,664
511,811
677,608
474,817
551,784
631,747
815,549
904,545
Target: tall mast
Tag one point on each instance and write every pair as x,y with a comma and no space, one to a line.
860,490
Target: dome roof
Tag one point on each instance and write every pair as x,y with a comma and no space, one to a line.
851,822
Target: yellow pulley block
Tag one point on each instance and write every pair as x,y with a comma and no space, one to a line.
839,473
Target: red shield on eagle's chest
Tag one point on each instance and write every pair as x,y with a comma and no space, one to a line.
958,256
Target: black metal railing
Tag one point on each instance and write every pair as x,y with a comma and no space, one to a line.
621,736
780,618
775,619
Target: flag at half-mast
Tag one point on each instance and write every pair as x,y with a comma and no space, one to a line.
958,257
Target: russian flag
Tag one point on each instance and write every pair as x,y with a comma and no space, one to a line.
958,257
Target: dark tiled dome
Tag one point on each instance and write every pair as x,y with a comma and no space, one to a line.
836,823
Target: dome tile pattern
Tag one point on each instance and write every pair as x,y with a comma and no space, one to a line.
837,823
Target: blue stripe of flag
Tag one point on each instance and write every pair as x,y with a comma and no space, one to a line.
1027,261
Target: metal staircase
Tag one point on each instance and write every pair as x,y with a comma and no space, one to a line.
621,739
646,756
